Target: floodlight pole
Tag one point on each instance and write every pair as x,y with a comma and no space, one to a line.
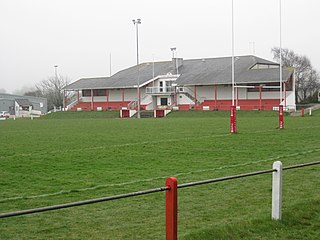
55,72
136,23
64,91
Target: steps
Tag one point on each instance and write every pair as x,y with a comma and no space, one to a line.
191,97
146,114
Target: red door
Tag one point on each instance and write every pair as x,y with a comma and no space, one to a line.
159,113
125,113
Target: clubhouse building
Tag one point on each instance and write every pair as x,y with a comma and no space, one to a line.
198,84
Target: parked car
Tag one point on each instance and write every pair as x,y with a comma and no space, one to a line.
4,114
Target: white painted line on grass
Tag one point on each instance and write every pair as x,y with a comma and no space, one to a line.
158,178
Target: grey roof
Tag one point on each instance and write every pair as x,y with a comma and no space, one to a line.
23,102
207,71
30,98
89,83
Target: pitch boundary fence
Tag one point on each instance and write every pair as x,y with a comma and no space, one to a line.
171,189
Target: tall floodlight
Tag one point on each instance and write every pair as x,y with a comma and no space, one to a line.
174,49
56,80
280,53
136,23
55,72
110,64
232,58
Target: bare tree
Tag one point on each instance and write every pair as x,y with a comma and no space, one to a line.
51,88
34,93
307,78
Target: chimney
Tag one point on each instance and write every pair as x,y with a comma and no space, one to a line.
177,63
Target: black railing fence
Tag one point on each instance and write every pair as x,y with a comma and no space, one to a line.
171,196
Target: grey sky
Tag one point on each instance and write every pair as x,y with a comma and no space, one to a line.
79,35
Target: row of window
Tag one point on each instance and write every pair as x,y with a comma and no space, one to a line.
96,92
103,92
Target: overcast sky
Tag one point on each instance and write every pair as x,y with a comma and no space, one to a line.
80,35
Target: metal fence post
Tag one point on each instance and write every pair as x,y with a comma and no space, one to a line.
277,190
171,209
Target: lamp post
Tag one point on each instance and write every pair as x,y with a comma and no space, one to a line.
136,23
64,91
55,72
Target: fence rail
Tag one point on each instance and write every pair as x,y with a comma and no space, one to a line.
85,202
225,178
172,199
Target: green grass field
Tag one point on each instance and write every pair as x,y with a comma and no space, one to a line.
67,157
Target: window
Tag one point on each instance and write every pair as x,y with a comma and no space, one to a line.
161,86
264,66
257,89
86,93
99,92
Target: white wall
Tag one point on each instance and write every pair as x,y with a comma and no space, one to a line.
130,94
115,95
208,92
224,92
183,99
265,95
291,100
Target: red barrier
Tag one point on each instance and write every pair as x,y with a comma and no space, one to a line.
125,113
281,119
160,113
172,209
302,112
233,119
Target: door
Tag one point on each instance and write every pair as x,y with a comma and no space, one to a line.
164,101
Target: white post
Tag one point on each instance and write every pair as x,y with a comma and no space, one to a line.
277,190
310,112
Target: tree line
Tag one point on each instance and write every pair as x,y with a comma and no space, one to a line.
307,78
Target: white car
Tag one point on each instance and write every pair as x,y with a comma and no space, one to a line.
4,114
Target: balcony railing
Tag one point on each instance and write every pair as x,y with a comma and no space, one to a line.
160,90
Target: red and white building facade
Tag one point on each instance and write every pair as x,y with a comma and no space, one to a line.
198,84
